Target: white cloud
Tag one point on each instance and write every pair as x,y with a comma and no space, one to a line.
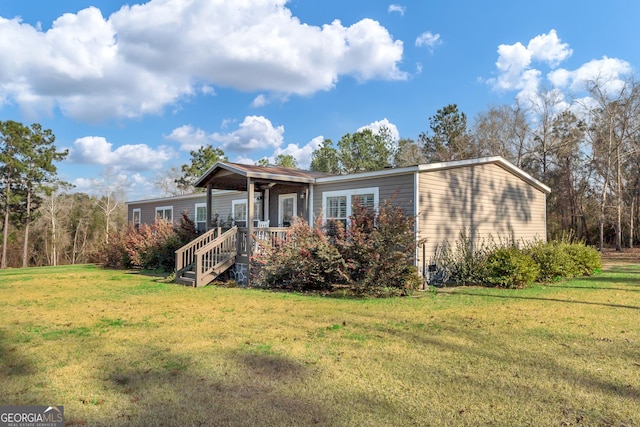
548,48
396,8
96,150
384,123
131,63
244,160
188,137
132,186
208,90
609,72
428,40
259,101
226,122
515,60
254,133
301,154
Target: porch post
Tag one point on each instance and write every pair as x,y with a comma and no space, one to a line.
208,224
250,209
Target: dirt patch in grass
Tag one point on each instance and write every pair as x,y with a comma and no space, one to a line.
626,256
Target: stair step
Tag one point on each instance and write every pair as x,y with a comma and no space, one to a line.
185,281
189,274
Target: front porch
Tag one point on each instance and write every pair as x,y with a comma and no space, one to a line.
273,196
202,260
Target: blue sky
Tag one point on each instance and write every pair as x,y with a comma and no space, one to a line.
129,89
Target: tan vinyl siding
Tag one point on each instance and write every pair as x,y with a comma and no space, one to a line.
179,204
398,187
221,205
485,200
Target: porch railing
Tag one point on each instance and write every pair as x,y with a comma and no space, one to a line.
215,257
186,255
270,234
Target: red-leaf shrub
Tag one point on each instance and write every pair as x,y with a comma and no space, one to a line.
373,255
151,247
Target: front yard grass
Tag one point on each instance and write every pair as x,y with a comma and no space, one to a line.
119,348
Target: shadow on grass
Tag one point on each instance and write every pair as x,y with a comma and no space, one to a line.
604,288
490,349
482,294
12,363
622,270
239,388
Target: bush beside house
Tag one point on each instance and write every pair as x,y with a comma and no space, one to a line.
150,247
371,256
506,266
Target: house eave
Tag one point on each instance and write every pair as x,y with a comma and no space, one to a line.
500,161
367,175
202,181
180,197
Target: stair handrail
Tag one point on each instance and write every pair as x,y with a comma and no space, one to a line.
214,254
185,256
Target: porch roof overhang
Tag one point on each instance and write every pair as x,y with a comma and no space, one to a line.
234,176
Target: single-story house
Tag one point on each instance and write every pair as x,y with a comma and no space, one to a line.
489,198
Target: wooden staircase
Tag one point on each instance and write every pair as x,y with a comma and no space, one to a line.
200,261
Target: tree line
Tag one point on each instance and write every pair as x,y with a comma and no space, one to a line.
43,222
587,150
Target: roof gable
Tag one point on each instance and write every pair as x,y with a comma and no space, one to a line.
227,175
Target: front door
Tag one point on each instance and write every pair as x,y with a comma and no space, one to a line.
287,209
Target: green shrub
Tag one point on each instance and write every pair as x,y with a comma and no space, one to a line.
553,260
464,263
586,259
562,259
509,267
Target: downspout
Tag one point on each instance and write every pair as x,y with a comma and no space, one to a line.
310,202
250,209
416,225
546,238
209,210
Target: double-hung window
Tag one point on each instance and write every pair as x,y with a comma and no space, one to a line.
338,205
337,208
164,213
136,220
201,217
365,201
239,211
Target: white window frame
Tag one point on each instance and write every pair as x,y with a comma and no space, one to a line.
234,204
283,197
257,211
349,194
135,223
195,215
163,209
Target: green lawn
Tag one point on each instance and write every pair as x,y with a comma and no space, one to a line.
119,348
